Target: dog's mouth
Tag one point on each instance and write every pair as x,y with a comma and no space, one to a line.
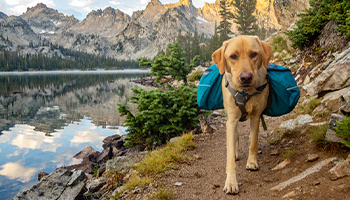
245,85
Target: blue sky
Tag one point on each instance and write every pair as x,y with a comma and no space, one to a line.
80,8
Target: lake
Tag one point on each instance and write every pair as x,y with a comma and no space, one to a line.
48,117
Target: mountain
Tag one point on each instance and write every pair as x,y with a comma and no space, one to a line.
14,32
112,33
2,15
149,31
46,20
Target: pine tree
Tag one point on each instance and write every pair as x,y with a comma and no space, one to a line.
244,18
224,28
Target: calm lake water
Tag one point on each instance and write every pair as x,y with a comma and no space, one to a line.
46,118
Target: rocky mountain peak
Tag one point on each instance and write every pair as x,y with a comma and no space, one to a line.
186,2
37,7
155,3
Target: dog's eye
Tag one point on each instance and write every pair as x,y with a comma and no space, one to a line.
234,57
253,55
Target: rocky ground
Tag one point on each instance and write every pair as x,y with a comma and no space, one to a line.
303,161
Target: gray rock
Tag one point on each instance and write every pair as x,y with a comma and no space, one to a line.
56,186
340,170
87,151
293,123
175,139
312,157
331,134
96,184
332,99
77,177
107,154
41,175
334,77
121,163
111,138
345,103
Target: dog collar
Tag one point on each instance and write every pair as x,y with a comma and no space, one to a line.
241,98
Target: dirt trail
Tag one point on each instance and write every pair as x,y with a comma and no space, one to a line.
204,177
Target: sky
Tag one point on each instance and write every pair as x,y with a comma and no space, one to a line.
80,8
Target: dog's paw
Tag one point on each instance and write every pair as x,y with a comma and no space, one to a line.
231,187
252,166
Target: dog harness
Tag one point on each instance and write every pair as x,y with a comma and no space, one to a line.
241,98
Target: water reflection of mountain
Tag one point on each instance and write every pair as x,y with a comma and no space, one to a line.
50,102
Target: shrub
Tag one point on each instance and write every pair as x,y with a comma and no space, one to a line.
311,22
195,76
161,115
343,130
279,44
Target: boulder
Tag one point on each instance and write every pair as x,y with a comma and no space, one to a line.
111,138
294,123
107,154
121,163
87,151
331,134
332,100
334,77
340,170
96,184
344,102
60,184
86,164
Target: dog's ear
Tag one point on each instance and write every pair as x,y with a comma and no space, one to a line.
267,52
219,59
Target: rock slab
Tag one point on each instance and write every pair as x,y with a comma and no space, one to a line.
331,134
60,184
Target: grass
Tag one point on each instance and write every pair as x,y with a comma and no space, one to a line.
165,158
158,161
317,133
279,44
163,194
308,107
289,153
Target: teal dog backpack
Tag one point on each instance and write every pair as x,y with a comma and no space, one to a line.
283,97
284,92
209,93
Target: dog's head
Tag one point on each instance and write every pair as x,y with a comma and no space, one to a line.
242,58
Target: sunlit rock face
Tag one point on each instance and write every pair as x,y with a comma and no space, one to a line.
286,11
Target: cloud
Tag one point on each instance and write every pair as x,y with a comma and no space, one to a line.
27,138
144,1
17,171
80,3
114,3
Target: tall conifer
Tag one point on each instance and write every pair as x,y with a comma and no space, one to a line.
244,18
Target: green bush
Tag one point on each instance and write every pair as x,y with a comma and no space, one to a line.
311,22
195,76
161,115
279,44
343,130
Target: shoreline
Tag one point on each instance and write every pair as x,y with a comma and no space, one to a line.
54,72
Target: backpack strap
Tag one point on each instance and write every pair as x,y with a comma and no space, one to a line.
241,98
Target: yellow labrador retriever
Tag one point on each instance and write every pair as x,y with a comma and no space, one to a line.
244,60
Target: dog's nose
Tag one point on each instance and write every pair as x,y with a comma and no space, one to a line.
246,77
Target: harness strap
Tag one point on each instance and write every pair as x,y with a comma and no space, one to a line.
241,98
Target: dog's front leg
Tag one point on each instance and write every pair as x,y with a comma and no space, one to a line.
231,185
252,163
